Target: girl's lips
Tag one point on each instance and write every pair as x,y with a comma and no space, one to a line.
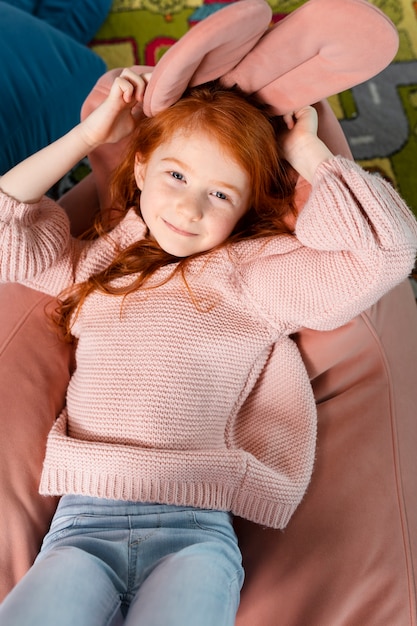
179,231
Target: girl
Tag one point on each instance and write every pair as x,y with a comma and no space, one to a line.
180,306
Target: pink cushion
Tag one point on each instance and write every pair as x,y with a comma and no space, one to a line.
34,373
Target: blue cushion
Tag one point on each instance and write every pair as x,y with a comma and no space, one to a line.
80,19
45,77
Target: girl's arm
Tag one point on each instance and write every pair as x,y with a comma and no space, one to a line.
302,147
111,121
355,240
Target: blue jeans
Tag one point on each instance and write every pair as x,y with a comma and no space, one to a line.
107,562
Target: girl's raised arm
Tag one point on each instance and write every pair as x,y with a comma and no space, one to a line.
301,145
111,121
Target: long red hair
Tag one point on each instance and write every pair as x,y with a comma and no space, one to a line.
247,133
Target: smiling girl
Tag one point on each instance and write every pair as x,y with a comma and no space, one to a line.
178,306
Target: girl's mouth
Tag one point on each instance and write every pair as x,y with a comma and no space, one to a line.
179,231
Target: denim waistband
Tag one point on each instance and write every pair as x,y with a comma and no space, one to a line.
78,504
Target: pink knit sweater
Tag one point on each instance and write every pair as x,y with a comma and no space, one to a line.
168,403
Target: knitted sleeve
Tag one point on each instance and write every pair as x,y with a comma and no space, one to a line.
36,248
276,426
356,240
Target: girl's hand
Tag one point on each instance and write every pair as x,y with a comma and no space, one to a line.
300,144
115,117
111,121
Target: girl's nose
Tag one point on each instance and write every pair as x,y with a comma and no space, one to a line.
191,206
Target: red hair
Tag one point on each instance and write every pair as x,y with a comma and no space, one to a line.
248,135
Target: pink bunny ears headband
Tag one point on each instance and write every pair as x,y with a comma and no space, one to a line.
318,50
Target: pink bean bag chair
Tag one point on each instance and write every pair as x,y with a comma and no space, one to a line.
349,555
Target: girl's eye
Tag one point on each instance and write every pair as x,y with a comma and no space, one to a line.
220,195
177,175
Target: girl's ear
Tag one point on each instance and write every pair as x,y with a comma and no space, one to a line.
139,171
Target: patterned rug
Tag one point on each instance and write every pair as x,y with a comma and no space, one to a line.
379,117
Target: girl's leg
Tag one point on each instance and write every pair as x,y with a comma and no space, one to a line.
68,587
172,565
78,578
198,584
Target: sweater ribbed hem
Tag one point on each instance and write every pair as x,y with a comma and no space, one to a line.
205,496
208,479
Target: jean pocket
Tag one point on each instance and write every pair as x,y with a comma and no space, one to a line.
60,527
219,522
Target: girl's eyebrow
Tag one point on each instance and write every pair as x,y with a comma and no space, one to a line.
219,183
175,161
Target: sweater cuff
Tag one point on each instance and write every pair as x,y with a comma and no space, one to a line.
15,210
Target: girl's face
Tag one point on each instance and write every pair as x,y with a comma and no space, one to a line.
192,193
